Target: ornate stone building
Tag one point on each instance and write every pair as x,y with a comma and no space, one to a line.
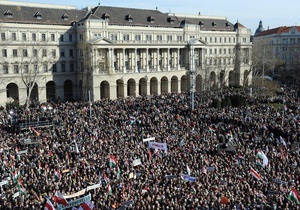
109,52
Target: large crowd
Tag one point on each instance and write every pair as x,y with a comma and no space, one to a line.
216,147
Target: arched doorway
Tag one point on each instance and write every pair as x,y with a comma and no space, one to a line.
164,85
199,83
131,87
174,84
120,88
12,91
153,86
212,80
104,90
143,87
68,90
184,84
50,90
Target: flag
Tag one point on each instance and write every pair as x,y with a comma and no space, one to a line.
188,178
255,174
76,147
87,205
262,156
59,198
35,131
108,190
282,141
188,170
57,175
294,196
16,176
21,187
49,205
285,108
112,161
118,173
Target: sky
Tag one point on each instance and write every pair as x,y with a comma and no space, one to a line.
272,13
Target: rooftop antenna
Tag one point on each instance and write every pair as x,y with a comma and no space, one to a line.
98,3
156,8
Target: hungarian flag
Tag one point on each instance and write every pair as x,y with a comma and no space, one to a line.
112,161
49,205
21,187
59,198
255,174
16,176
87,205
108,190
294,196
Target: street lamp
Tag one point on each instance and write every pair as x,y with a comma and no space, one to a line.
192,73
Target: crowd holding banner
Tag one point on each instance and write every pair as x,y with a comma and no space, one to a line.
153,153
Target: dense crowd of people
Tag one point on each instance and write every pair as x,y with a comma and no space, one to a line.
216,147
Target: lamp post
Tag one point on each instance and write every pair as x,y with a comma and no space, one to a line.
192,73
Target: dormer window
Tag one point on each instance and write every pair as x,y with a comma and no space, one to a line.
8,14
227,24
129,18
151,19
105,16
38,16
171,20
201,23
64,16
214,24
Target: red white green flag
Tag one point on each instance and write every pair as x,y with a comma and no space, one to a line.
112,161
108,190
255,174
294,196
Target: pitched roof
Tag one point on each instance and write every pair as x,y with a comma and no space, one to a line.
139,17
209,24
39,15
278,30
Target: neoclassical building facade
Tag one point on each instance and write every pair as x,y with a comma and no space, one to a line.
110,52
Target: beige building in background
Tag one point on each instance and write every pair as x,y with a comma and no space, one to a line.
110,52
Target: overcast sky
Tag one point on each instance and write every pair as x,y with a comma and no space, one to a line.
249,13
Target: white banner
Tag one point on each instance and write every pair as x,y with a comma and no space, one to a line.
95,186
157,145
3,182
137,162
149,139
75,202
22,152
16,194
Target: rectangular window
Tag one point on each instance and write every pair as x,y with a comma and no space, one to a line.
220,39
148,37
44,53
43,37
138,37
5,69
15,53
224,51
62,53
4,53
53,53
70,38
210,51
159,37
2,36
35,68
220,51
26,69
81,67
216,39
52,37
179,38
45,67
169,37
14,36
25,53
24,37
61,38
216,51
33,37
16,69
125,37
72,67
71,52
63,67
114,37
34,53
81,37
54,68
